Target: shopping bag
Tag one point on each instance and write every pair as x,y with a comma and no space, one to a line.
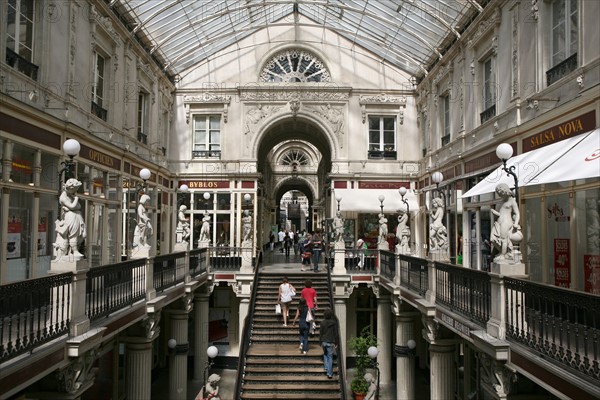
292,292
278,309
309,316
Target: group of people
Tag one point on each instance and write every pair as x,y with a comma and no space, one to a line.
328,333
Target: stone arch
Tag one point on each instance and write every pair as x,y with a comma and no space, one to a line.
290,46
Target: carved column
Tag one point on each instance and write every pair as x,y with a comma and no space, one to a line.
178,355
340,313
442,371
405,362
384,328
200,334
138,369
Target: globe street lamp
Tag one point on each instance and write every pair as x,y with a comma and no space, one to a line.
183,189
71,148
338,198
403,191
504,151
372,352
381,198
211,352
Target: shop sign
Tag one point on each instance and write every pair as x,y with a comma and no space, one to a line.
591,267
583,123
21,165
453,324
562,263
382,185
557,213
207,184
13,238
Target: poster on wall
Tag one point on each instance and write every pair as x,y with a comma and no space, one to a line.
591,267
562,263
13,242
42,233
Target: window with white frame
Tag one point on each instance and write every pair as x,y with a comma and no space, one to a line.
98,86
207,136
382,136
445,118
142,117
564,30
489,82
20,36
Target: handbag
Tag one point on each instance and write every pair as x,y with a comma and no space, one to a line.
292,292
309,316
278,309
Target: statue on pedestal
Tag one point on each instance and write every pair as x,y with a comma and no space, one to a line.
506,230
70,226
383,229
338,227
403,233
438,235
246,226
143,229
205,230
183,224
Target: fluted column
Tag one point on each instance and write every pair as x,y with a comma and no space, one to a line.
178,356
244,308
442,373
138,369
384,342
405,362
200,334
340,313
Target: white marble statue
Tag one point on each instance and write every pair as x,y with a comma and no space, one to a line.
70,226
372,386
338,227
506,230
403,233
205,230
246,226
383,228
183,224
438,235
143,229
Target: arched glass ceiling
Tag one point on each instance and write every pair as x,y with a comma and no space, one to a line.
410,34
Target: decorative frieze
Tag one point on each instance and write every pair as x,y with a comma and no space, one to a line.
332,114
207,98
256,114
287,93
379,99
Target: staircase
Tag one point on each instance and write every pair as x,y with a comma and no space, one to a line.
274,366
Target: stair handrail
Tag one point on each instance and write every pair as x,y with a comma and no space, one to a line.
247,330
340,353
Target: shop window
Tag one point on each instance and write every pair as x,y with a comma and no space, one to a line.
49,178
223,230
382,138
207,136
587,264
111,232
20,20
19,247
557,214
22,165
366,311
223,201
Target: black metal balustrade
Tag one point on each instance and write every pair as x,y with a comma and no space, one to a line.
21,64
168,270
488,114
387,264
206,154
361,261
464,291
561,69
99,111
113,287
225,258
142,137
414,274
558,324
33,312
198,263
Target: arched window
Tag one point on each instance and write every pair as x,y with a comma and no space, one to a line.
294,65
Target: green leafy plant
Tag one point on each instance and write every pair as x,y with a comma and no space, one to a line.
360,345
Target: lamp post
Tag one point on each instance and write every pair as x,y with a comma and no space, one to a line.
211,352
372,353
403,191
248,199
206,196
504,151
71,148
381,198
437,177
338,198
183,189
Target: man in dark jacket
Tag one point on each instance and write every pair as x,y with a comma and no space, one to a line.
328,335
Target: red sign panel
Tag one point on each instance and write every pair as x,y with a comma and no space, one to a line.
562,263
591,267
382,185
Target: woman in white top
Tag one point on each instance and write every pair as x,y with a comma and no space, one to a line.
286,291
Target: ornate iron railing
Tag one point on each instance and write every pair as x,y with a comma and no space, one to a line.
168,270
99,111
464,291
33,312
21,64
387,264
340,355
561,69
556,323
113,287
361,261
488,114
225,258
198,264
414,274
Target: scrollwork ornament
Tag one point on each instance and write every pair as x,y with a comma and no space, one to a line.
78,373
188,302
431,328
496,375
151,324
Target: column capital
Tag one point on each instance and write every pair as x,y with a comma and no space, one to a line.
496,375
78,375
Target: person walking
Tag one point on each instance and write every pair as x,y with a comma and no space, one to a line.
306,256
272,241
317,242
309,294
286,291
287,243
328,338
303,326
280,237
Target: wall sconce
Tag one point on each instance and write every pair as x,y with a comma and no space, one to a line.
504,151
177,349
248,200
338,198
406,351
381,198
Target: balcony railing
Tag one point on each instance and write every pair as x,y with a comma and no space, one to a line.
488,114
142,138
561,70
387,264
99,111
168,270
225,259
361,261
21,64
382,155
414,274
206,154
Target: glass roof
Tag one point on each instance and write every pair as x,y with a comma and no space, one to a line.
410,34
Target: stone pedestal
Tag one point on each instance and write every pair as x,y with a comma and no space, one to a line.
246,267
383,246
140,252
440,255
181,246
339,267
508,268
80,323
203,244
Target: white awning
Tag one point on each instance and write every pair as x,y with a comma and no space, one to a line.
367,200
569,159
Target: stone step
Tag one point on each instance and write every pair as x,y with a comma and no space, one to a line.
286,369
289,396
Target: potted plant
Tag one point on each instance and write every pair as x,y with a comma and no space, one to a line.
360,346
